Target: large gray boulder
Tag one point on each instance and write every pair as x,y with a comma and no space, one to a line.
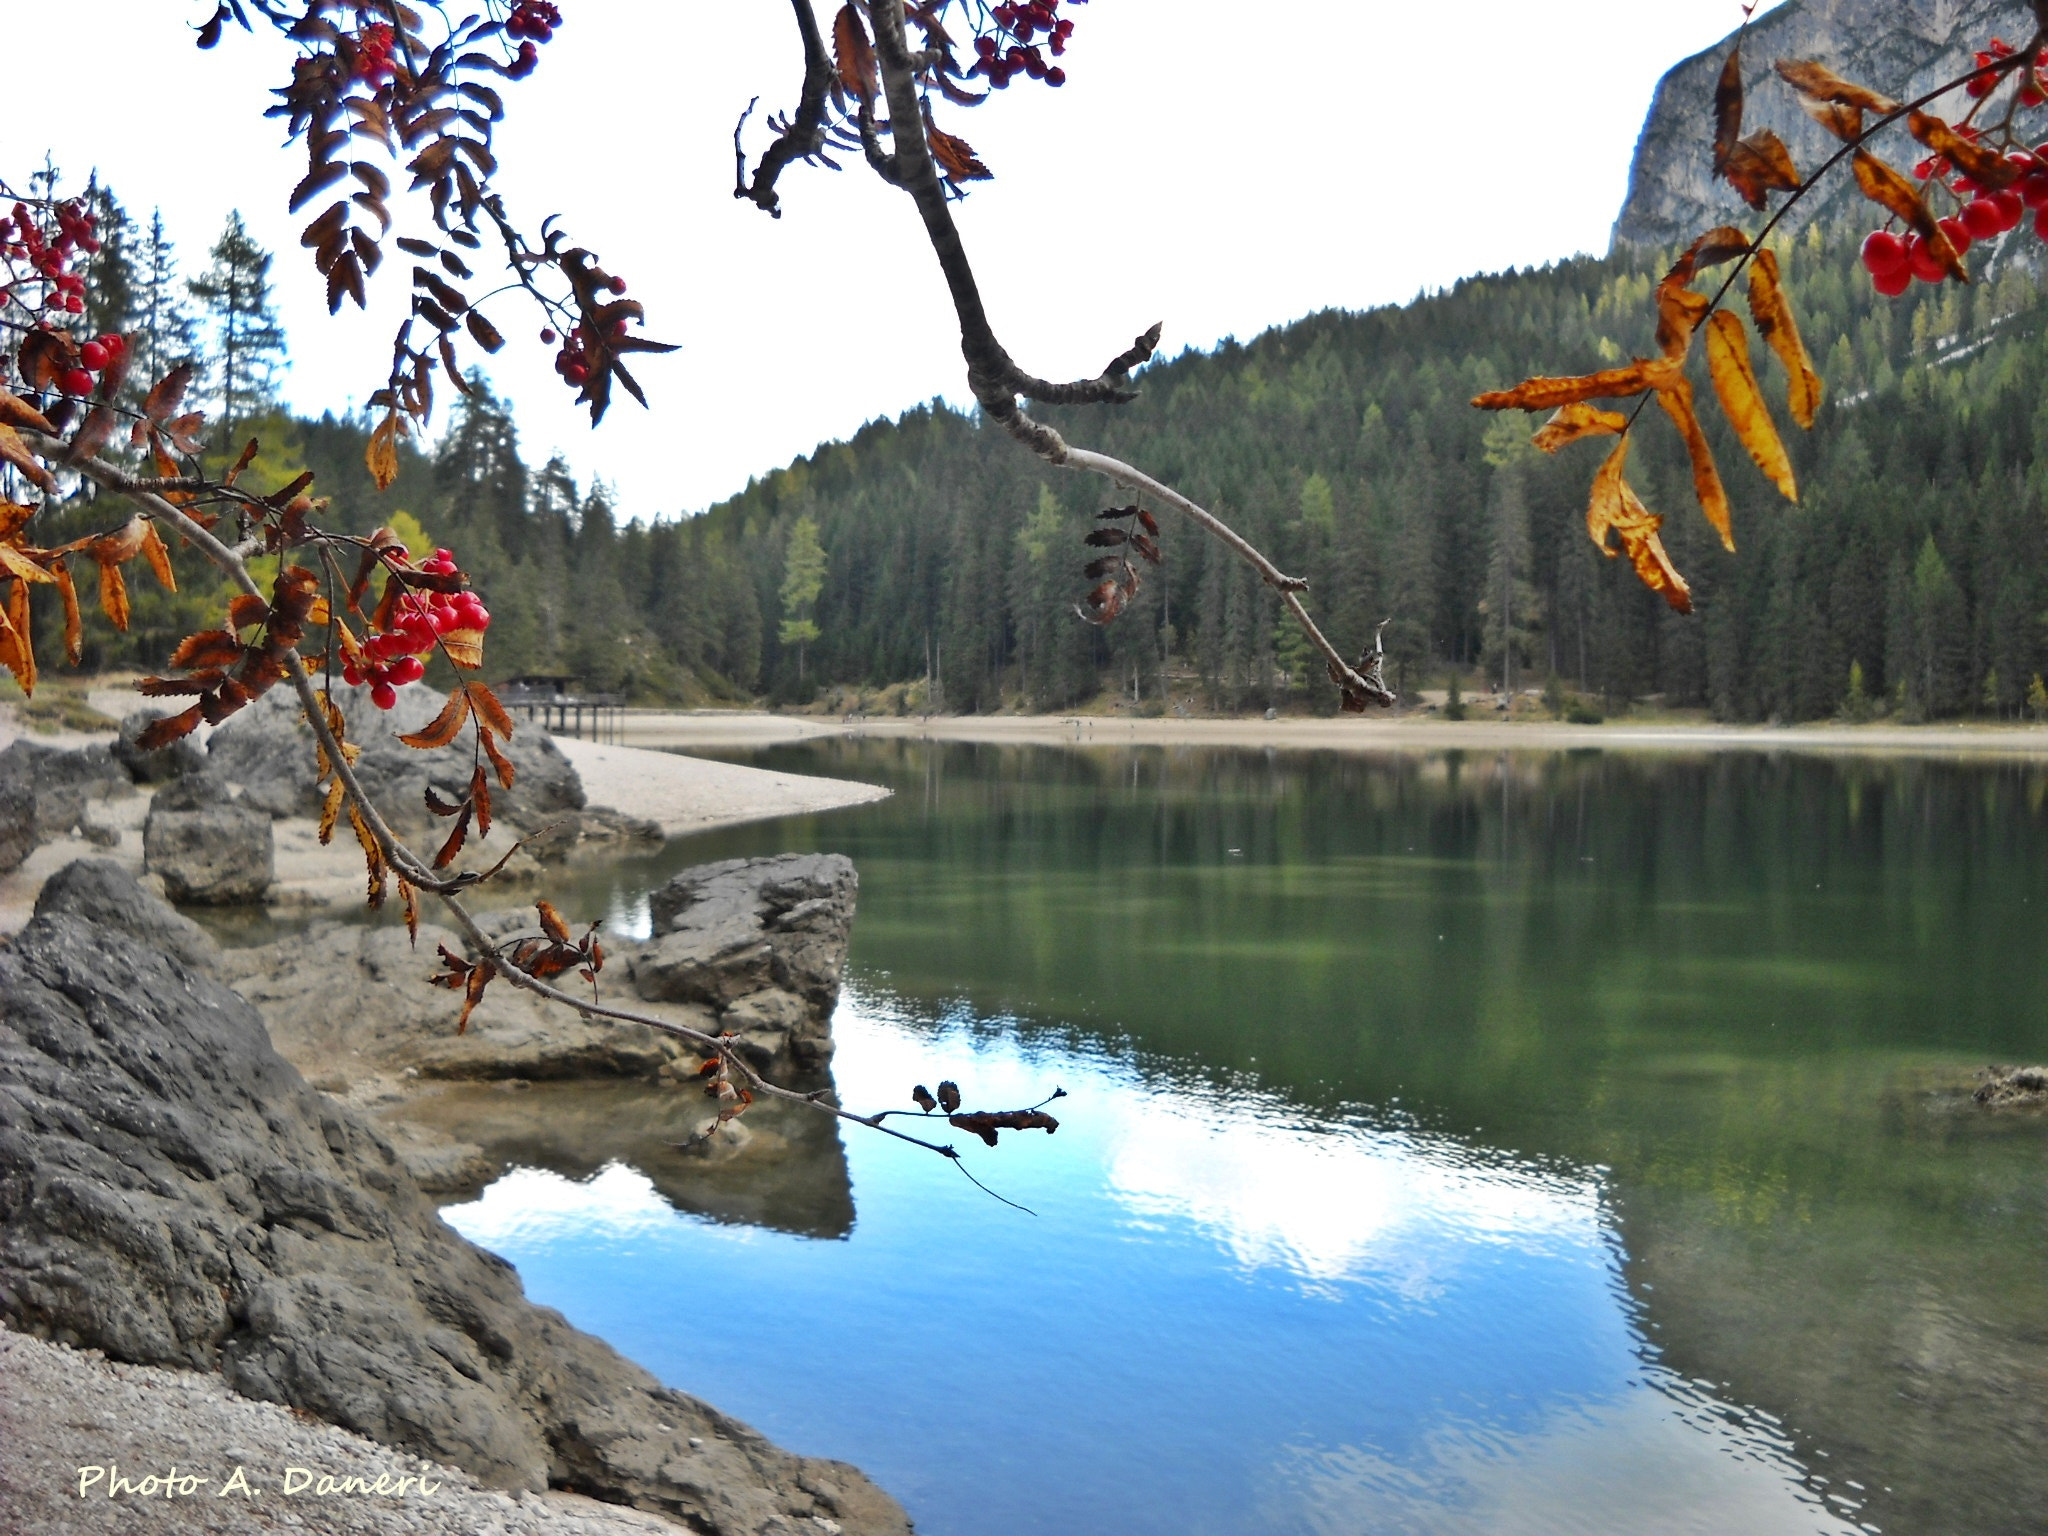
101,891
17,824
267,750
174,1193
763,941
208,850
65,781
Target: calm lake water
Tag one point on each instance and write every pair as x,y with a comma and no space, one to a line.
1570,1143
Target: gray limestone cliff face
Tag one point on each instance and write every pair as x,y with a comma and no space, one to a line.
1901,47
174,1193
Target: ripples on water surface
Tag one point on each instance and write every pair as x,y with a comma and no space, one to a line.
1556,1143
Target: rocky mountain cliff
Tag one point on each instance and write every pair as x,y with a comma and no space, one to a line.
1901,47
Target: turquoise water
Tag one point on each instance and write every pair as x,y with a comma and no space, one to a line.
1543,1143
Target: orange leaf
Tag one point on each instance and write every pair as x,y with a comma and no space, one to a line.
159,734
1605,509
444,727
16,452
113,594
1889,190
1638,527
853,55
17,412
473,992
1543,394
464,648
1679,311
159,558
1984,166
208,648
1844,122
488,709
16,653
551,922
955,156
1774,322
16,562
1575,421
411,899
381,457
124,543
1735,384
1823,84
73,629
500,763
330,809
1676,402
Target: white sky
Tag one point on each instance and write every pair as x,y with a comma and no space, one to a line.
1220,167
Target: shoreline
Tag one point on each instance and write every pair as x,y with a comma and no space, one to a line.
728,730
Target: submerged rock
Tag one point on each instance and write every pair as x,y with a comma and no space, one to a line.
2013,1088
208,850
174,1193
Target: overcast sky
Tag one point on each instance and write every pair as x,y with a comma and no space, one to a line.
1219,167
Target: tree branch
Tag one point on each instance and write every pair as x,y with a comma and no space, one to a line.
805,135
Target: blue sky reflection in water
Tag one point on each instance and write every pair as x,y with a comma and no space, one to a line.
1227,1317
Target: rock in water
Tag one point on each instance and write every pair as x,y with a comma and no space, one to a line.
63,781
1901,49
763,941
172,1192
267,749
17,824
209,851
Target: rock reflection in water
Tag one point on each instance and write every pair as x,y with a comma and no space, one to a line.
786,1170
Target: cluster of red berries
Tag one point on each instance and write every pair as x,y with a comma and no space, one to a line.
1893,261
533,22
94,358
421,618
2033,79
572,361
1024,21
23,239
373,53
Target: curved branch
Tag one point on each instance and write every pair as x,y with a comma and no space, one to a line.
805,135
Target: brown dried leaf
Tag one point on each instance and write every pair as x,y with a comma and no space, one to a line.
1843,121
1605,507
949,1096
464,648
17,654
1986,167
113,594
162,732
922,1097
16,562
955,156
1741,400
208,648
1679,312
551,922
473,993
985,1123
1727,109
457,836
853,55
17,412
16,452
1760,165
1576,421
330,810
488,709
480,798
1547,394
1772,313
1676,402
500,763
1638,527
444,727
1823,84
410,898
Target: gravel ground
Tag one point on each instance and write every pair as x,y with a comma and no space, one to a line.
64,1410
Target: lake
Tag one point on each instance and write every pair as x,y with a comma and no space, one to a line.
1452,1143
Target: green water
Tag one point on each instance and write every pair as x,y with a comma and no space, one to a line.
1732,1002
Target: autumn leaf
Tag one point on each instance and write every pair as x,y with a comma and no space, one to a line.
1727,109
1823,84
1576,421
330,809
500,763
949,1096
985,1123
444,727
853,55
1679,311
158,556
922,1097
1743,403
1844,122
17,412
381,457
1615,508
17,563
410,898
1773,316
488,709
1883,185
1984,166
551,922
113,594
16,652
1547,394
1676,402
16,452
464,648
74,651
1760,165
955,156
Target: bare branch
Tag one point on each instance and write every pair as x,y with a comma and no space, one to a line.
805,134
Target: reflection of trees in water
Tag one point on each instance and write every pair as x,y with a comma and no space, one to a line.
789,1174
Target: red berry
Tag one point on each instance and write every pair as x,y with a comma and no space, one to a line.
408,669
1883,252
547,337
115,343
76,381
1980,219
1921,263
1893,283
352,675
575,373
2011,209
1958,233
618,285
93,355
383,695
1055,75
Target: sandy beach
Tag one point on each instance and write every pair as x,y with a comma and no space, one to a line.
732,730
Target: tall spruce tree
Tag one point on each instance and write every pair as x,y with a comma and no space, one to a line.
246,341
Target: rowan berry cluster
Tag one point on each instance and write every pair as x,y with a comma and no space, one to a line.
2033,89
49,256
532,22
419,620
373,54
1894,260
1023,23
